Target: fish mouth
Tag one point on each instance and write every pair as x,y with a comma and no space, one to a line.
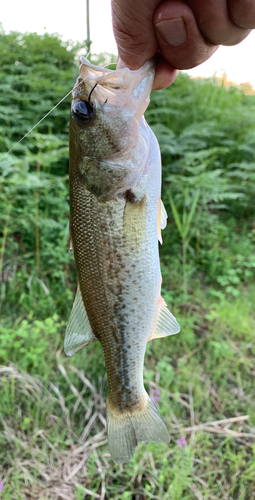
120,88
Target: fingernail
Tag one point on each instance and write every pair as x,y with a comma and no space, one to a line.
173,31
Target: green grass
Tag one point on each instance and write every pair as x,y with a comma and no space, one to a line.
53,442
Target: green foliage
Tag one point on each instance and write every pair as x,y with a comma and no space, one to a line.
28,344
36,72
208,178
206,135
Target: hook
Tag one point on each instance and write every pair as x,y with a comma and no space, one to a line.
92,91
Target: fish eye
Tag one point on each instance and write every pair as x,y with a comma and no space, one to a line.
82,112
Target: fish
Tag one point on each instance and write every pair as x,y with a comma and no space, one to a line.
116,216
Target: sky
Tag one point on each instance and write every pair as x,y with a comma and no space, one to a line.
56,16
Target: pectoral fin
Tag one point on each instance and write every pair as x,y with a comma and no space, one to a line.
78,330
166,323
162,219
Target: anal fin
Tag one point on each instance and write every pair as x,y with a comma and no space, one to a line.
166,323
78,331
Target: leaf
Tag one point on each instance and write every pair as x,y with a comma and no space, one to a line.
191,213
176,216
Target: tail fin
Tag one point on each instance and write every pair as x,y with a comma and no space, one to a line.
128,429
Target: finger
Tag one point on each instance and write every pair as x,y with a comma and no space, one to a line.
242,12
165,75
133,31
214,22
180,42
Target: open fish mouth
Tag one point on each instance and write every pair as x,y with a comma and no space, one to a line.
122,87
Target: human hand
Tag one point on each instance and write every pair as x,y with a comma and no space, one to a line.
184,33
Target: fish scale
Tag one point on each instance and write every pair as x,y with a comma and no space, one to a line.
100,282
116,220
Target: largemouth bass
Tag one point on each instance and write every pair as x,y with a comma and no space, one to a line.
116,220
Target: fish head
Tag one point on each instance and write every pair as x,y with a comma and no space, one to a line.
105,104
106,111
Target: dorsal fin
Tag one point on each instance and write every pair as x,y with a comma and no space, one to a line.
78,331
166,323
162,219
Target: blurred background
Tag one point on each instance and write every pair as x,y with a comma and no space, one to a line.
52,409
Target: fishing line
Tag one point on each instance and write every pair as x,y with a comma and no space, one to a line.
45,116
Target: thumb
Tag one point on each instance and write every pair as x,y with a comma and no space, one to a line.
180,42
